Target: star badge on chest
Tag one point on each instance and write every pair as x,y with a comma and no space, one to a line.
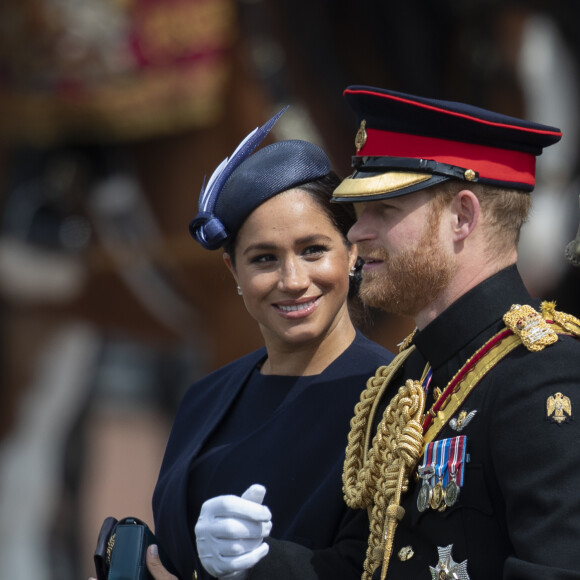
447,568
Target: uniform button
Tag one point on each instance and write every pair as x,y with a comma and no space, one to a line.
406,553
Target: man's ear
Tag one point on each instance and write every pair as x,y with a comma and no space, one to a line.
466,210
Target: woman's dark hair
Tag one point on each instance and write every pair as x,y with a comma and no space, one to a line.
341,215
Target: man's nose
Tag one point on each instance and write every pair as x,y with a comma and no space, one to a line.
362,229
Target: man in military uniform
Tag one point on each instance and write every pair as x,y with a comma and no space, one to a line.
464,449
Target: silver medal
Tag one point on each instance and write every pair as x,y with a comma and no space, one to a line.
424,498
451,493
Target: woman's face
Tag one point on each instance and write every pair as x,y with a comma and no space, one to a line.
292,265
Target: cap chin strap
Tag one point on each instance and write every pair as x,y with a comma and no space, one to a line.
409,164
384,177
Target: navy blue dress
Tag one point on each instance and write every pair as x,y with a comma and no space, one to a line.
237,427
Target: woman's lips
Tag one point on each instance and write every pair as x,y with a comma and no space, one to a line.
297,309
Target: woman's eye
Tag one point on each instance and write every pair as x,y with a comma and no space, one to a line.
315,250
262,259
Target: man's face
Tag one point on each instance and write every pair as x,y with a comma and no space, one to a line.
407,266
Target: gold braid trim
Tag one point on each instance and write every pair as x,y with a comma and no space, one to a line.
567,322
358,493
378,483
470,380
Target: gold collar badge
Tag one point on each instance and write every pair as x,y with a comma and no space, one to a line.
558,408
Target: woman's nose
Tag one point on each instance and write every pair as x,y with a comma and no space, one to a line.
294,275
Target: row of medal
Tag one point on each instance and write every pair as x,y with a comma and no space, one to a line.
442,473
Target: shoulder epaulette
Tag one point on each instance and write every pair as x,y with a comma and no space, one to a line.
532,329
524,325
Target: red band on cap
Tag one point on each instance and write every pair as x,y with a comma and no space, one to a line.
491,163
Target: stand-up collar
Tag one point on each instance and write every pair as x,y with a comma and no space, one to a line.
477,312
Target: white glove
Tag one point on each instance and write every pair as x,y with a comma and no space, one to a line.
230,533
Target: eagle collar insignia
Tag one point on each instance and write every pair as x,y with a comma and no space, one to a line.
558,408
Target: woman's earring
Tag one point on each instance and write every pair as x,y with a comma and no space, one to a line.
352,271
239,290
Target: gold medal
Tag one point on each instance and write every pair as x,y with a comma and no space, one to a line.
437,496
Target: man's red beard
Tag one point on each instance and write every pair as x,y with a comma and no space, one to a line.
410,281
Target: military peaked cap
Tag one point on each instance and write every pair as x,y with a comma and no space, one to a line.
407,143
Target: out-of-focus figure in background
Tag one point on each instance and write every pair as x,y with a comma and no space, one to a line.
106,107
110,113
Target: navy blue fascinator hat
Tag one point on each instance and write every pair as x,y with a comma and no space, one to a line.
244,181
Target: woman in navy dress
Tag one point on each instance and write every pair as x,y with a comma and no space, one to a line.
251,478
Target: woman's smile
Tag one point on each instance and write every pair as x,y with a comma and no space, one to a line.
297,308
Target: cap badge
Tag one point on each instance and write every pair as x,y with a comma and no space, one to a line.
558,408
361,136
446,568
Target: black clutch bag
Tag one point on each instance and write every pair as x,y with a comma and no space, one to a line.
121,549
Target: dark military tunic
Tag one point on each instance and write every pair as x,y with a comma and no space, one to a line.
518,513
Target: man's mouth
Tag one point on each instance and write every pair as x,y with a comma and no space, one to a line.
370,263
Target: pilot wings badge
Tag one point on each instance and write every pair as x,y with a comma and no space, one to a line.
462,420
558,408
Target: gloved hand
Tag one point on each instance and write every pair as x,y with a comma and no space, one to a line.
230,533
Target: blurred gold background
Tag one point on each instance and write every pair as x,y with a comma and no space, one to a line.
111,113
